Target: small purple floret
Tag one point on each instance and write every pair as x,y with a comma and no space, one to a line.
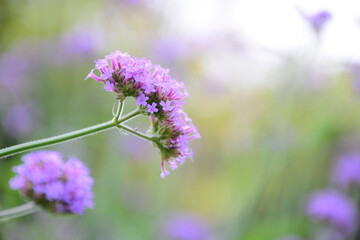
167,106
152,108
58,186
109,87
141,100
148,88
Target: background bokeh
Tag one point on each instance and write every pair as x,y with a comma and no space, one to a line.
273,120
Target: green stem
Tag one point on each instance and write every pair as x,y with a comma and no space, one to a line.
135,132
65,137
19,211
119,110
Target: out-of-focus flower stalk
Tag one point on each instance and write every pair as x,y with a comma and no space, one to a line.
19,211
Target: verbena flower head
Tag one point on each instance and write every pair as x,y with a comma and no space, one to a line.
158,95
58,186
347,170
334,208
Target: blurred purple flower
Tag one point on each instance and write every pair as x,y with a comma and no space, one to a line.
21,120
186,227
347,170
77,44
80,43
134,2
58,186
169,50
334,208
14,68
317,20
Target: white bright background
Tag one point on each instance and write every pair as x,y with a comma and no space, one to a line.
273,24
268,27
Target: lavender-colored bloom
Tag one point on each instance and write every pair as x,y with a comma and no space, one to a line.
158,95
20,120
334,208
15,69
169,50
58,186
347,170
166,105
78,43
141,99
186,227
148,88
317,20
152,108
109,86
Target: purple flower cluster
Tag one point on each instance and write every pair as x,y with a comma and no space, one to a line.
334,208
317,20
58,186
16,66
186,227
158,95
21,119
347,170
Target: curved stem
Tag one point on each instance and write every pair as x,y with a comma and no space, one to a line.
119,110
135,132
65,137
19,211
119,105
54,140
